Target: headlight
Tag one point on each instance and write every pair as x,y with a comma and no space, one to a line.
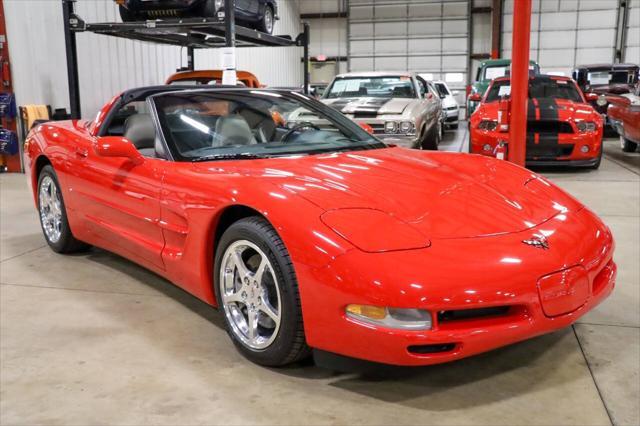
404,319
602,100
586,126
390,127
488,125
218,4
407,127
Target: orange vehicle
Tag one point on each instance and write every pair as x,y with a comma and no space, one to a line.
212,77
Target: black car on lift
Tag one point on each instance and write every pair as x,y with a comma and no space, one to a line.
257,14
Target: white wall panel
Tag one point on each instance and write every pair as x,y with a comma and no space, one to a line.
426,36
108,65
566,33
632,45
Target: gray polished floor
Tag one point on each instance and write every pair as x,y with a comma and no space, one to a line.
95,339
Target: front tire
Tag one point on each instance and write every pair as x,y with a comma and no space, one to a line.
257,292
627,145
431,139
53,214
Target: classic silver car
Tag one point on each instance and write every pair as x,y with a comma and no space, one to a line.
400,107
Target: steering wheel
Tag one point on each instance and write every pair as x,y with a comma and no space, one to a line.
302,125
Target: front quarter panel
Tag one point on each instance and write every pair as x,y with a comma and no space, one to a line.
195,197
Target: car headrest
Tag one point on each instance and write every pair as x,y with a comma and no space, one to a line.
402,91
233,130
139,129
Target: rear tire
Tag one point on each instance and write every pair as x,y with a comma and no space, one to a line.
267,23
53,214
454,126
270,300
627,145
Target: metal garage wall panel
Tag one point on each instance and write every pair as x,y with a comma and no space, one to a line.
328,37
108,65
566,33
632,45
427,36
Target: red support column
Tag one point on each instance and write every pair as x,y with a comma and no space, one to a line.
519,81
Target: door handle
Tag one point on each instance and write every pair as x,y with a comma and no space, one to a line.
82,153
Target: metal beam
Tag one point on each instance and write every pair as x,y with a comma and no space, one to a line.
519,81
305,60
622,24
230,23
328,15
496,28
72,58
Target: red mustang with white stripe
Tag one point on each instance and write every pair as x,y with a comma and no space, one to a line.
562,128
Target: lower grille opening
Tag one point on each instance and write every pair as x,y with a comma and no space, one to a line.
468,314
431,349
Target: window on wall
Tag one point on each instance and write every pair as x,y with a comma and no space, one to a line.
454,77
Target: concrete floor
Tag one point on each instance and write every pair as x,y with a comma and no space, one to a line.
94,339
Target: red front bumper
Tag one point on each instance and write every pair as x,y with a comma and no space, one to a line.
569,148
457,275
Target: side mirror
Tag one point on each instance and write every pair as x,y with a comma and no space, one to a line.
117,146
591,97
475,97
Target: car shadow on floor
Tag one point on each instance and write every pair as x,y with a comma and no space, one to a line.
465,382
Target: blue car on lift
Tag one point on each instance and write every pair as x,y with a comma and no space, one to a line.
257,14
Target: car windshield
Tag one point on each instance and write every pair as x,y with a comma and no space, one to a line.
603,78
497,71
538,88
228,124
442,89
378,87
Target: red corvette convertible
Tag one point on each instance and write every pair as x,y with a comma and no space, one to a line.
562,128
307,232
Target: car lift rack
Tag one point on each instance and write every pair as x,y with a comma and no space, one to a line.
192,33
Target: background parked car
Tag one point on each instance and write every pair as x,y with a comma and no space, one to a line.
487,71
562,128
607,81
624,115
450,106
257,14
400,108
246,78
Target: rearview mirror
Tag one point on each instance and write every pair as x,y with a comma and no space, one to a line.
117,146
475,97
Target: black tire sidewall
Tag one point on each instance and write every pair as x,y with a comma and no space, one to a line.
253,230
262,23
66,238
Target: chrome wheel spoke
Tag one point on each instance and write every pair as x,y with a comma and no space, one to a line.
252,323
269,310
239,264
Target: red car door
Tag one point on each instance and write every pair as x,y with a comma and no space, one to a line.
119,204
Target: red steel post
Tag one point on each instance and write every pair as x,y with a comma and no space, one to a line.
519,81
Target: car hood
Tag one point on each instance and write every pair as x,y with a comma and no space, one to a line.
441,195
370,105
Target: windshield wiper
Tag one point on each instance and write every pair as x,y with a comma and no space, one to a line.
229,156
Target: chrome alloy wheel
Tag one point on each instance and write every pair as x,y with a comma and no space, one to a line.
50,209
268,20
250,294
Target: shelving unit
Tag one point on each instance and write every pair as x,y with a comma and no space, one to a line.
192,33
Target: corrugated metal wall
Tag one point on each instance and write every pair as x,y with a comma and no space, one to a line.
632,45
108,65
566,33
